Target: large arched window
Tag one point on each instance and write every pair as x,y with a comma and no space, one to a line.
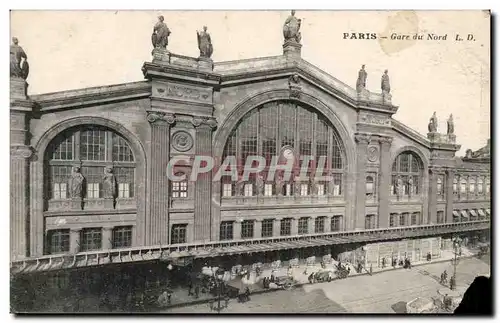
406,174
285,130
92,148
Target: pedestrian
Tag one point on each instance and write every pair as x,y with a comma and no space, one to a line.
226,300
190,287
272,277
169,297
197,291
371,269
452,282
383,262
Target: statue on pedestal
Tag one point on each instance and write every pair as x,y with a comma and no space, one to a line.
399,187
260,184
451,125
361,82
160,34
385,84
291,29
204,43
19,66
76,183
279,185
109,183
433,123
410,186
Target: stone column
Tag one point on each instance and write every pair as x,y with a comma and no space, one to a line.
384,182
158,223
432,216
203,184
74,241
20,154
257,229
450,175
362,141
310,224
237,229
107,238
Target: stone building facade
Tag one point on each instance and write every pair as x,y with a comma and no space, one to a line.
89,167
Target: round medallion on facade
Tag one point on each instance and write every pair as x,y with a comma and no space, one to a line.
288,153
182,141
372,154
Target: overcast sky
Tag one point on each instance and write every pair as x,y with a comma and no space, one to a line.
70,50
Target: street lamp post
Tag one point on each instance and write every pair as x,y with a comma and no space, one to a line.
218,276
457,243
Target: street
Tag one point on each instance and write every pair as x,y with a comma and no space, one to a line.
380,293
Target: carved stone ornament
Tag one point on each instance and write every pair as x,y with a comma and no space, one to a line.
21,151
153,117
182,141
385,140
372,153
197,122
294,85
362,138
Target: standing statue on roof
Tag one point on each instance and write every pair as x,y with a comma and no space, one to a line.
361,82
451,125
385,84
204,43
18,60
160,34
291,28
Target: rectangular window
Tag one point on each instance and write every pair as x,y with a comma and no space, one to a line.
288,189
286,227
321,189
121,150
267,228
248,189
247,229
370,221
319,224
93,177
337,184
463,186
414,219
303,226
123,190
64,151
60,191
179,233
122,237
227,189
336,221
91,239
93,144
402,219
226,230
304,189
125,179
440,217
180,189
58,241
93,190
392,220
268,189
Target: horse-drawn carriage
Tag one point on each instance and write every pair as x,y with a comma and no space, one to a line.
325,275
341,271
483,249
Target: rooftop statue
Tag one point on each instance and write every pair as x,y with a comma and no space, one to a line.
385,84
451,125
433,123
204,43
18,60
361,82
291,28
160,34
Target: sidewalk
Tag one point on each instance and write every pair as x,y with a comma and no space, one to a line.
180,297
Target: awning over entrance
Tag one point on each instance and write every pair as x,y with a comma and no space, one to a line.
455,213
481,212
473,213
464,214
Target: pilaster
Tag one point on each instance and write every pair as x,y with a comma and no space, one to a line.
158,223
294,227
74,241
432,215
257,229
450,175
384,182
237,229
107,238
276,228
362,141
203,184
310,224
328,224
